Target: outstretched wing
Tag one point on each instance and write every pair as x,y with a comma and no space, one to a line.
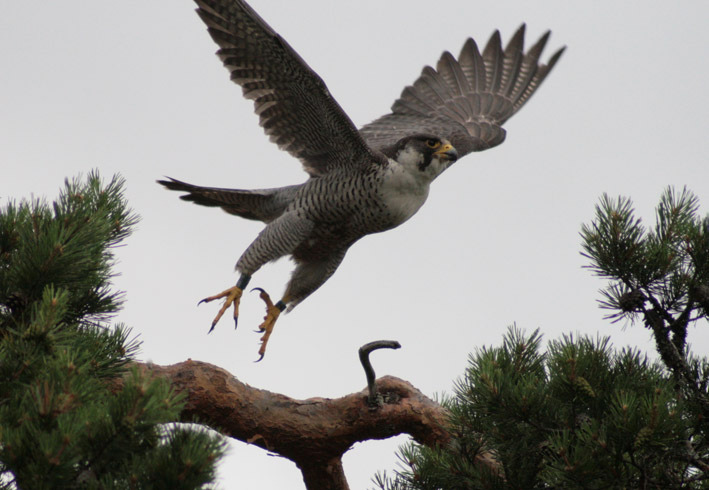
466,100
294,106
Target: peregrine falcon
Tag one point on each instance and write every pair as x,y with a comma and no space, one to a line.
360,181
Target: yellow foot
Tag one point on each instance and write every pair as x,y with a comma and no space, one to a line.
231,297
269,321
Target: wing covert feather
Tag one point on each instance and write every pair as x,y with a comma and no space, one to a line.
466,100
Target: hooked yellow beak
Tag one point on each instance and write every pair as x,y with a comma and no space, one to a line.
447,152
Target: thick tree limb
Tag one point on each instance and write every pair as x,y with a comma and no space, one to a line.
313,433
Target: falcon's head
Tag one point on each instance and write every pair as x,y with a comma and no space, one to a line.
424,154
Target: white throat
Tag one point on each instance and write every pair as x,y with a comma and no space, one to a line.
404,187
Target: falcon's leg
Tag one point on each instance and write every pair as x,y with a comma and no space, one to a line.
279,238
310,275
307,277
232,297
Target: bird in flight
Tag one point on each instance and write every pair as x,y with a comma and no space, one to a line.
361,181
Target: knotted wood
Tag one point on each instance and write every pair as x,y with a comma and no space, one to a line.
313,433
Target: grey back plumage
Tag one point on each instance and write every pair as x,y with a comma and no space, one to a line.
466,100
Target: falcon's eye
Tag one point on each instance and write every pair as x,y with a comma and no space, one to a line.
433,144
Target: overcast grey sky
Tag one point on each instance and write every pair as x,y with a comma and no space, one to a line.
133,87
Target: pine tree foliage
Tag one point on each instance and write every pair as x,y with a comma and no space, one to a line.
658,276
666,267
60,424
579,413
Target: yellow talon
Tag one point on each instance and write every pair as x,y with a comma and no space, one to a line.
269,321
232,297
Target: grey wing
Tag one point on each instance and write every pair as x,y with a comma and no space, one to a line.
294,106
466,100
262,205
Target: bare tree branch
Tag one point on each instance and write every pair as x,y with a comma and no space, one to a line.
313,433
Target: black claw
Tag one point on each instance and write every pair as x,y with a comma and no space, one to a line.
260,358
211,328
201,301
260,291
236,322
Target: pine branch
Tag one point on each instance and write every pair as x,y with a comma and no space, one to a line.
667,267
313,433
672,357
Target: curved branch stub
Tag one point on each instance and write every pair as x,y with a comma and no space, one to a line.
373,399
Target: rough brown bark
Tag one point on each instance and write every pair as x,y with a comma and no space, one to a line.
313,433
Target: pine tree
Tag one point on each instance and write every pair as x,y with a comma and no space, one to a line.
62,422
581,414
